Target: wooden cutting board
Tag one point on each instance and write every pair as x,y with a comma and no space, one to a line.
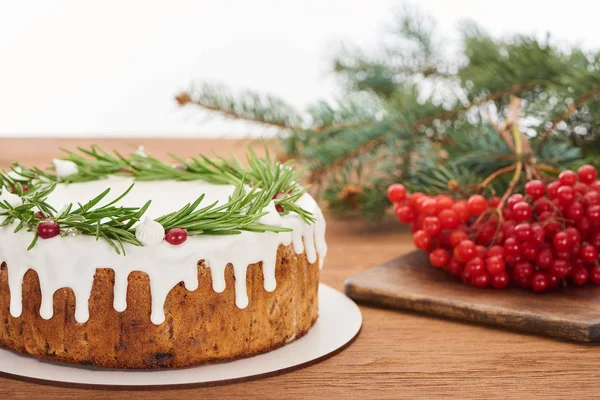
411,283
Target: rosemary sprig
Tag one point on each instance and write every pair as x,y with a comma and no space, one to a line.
108,222
240,213
266,173
265,180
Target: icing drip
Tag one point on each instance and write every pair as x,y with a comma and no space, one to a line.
72,261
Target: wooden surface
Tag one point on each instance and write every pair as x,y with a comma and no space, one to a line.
397,355
410,283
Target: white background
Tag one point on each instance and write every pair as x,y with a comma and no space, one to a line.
111,68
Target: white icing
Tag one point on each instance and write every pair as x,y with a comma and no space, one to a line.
11,198
72,261
15,175
272,217
64,168
141,151
149,232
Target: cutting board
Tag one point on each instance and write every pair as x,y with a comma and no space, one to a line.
411,283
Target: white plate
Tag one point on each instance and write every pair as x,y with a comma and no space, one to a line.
338,324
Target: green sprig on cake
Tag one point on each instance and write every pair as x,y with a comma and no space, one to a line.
25,190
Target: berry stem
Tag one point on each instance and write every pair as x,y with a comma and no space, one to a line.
518,140
496,174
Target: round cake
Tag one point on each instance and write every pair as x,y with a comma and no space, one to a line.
134,268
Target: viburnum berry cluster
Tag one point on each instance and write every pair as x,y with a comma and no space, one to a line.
546,237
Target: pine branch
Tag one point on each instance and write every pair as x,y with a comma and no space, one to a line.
422,118
252,107
318,174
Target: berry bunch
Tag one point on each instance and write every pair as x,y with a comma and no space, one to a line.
548,235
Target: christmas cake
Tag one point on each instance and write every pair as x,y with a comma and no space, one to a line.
132,262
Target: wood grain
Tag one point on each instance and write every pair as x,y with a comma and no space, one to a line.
410,283
397,355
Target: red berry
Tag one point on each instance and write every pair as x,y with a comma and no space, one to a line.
553,281
581,188
544,258
439,258
414,199
427,207
595,275
567,178
486,234
588,253
495,265
480,251
443,202
560,268
476,204
575,211
421,240
552,189
563,254
587,174
593,214
39,215
551,228
529,250
514,199
475,266
456,267
523,269
461,209
466,250
448,219
495,251
595,186
396,193
591,198
405,214
523,232
494,201
539,283
465,276
48,229
432,226
566,195
584,225
512,247
480,281
24,188
543,205
521,211
508,228
538,233
573,236
176,236
500,281
561,241
456,237
535,189
580,276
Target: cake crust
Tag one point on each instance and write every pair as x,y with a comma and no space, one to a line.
201,326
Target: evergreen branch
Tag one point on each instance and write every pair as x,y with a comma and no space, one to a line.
318,174
266,110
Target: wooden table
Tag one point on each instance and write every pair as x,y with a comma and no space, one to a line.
397,355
